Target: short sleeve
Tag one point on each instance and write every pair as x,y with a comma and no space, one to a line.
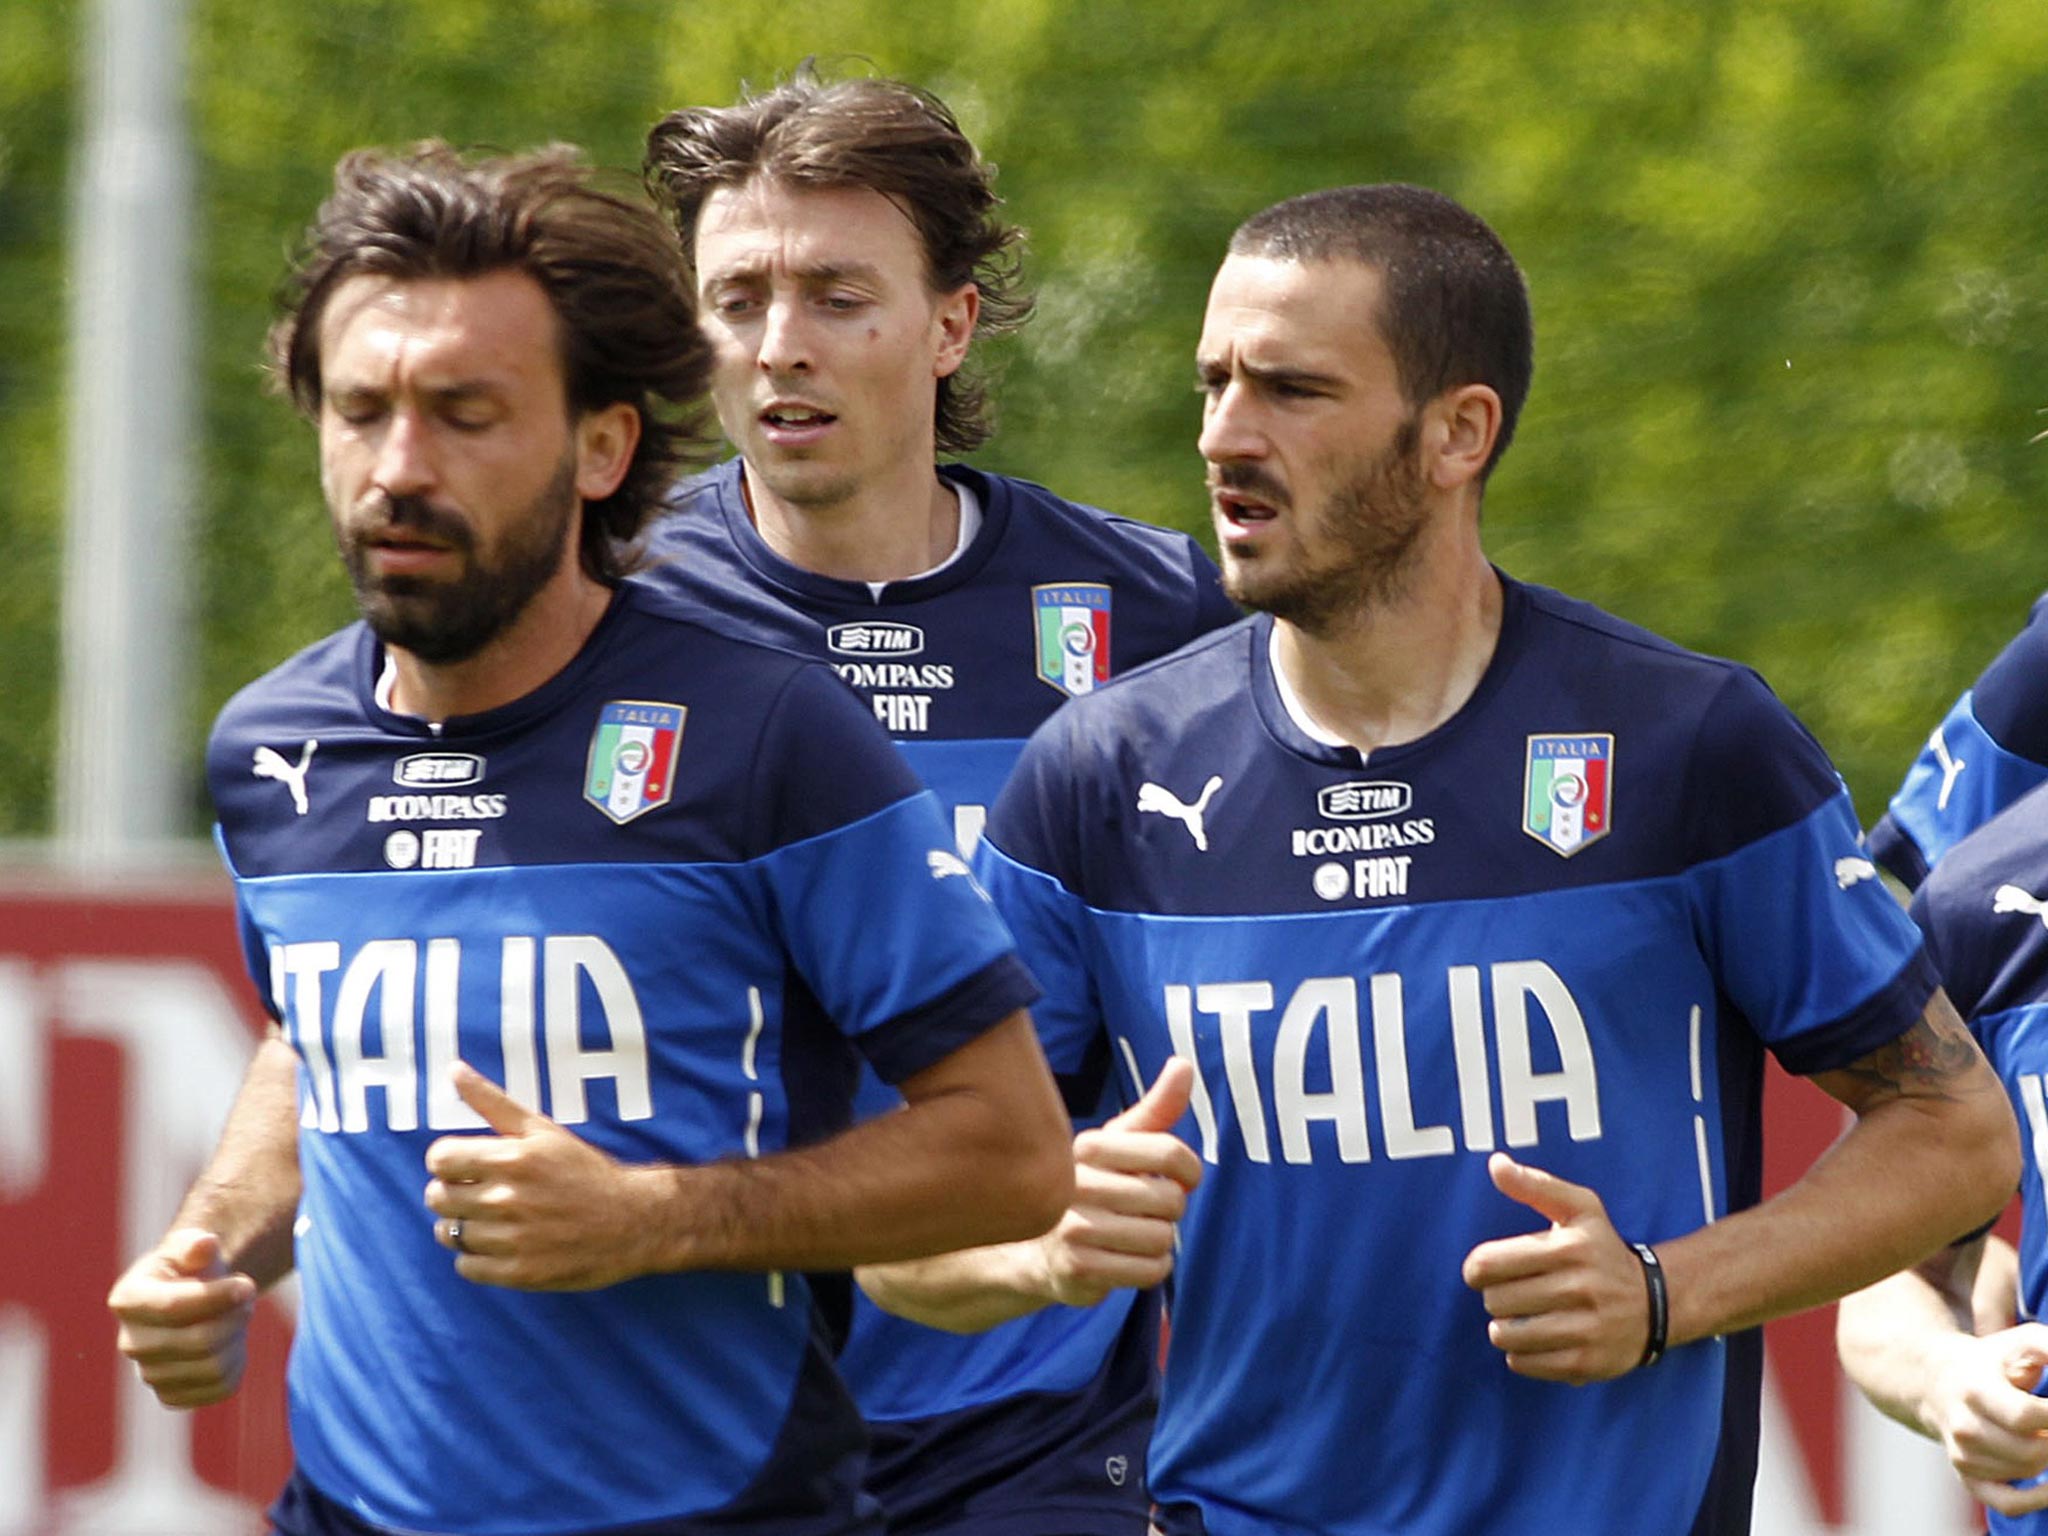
881,918
1802,934
1020,863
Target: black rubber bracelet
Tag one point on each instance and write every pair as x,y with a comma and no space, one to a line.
1660,1304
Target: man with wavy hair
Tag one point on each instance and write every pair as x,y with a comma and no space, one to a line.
575,915
847,249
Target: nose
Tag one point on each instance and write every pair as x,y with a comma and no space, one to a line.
1229,427
785,339
405,463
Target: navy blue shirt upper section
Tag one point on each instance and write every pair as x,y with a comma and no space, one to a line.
966,637
1683,789
747,761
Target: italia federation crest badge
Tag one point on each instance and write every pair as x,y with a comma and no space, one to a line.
1073,635
1568,790
632,758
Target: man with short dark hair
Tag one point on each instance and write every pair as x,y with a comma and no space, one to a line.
847,249
575,915
1457,915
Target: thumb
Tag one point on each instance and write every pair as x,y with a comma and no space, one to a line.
502,1113
1558,1200
1164,1102
194,1253
2023,1366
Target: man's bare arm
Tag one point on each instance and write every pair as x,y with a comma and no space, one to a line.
1933,1153
184,1306
1132,1178
978,1154
1936,1348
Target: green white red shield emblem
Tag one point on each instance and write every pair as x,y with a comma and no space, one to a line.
631,769
1072,619
1568,790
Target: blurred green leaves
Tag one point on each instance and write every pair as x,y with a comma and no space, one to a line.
1787,260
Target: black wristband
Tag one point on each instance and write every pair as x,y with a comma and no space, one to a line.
1660,1304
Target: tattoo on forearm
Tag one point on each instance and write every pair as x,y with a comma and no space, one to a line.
1931,1060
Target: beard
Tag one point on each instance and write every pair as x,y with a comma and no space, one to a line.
446,621
1363,547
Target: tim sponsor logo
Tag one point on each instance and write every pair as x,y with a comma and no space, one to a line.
874,638
438,770
1365,800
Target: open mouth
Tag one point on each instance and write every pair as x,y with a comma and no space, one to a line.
796,418
1240,510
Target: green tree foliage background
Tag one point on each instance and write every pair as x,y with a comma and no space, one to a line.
1787,256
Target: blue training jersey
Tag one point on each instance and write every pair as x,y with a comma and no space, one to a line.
670,899
1565,924
1990,749
1982,909
1039,1425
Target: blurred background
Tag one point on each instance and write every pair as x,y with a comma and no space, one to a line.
1787,262
1788,268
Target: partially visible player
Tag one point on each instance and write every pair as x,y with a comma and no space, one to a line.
577,917
1473,910
1989,750
848,246
1942,1347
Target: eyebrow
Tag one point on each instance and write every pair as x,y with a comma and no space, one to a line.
461,392
814,272
1266,375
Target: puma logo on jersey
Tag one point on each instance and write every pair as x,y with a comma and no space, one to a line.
1152,798
1950,767
942,864
1853,871
2010,898
271,765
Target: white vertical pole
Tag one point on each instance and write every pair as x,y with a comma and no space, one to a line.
121,768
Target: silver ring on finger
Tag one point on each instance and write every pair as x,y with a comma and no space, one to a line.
455,1234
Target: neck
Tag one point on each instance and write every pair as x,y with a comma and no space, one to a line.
881,532
1395,671
545,638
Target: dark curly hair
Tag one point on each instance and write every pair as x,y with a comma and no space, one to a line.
880,135
627,321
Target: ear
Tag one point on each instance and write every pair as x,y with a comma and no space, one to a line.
605,440
1458,433
953,320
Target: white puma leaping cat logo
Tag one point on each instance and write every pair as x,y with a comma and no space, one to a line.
1950,767
270,765
2010,898
1152,798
